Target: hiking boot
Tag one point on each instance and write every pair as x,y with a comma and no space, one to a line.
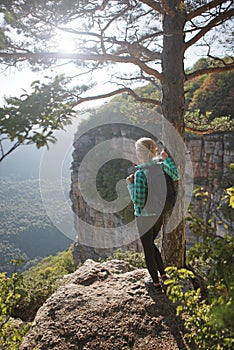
150,284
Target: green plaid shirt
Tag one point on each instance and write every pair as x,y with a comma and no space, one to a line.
138,190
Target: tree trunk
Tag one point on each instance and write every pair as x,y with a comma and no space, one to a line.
173,243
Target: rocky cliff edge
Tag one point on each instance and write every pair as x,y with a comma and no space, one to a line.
106,306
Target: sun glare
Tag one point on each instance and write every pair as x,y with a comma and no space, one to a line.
66,45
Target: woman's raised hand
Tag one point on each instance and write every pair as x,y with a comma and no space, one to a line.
130,179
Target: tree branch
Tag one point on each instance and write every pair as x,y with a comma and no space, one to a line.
203,71
82,57
138,51
201,131
77,32
119,15
140,78
117,92
155,5
113,40
1,147
17,144
199,11
217,20
219,60
149,36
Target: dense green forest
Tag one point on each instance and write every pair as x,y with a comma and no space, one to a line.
211,93
26,231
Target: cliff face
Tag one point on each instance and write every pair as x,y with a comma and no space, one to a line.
210,154
88,220
106,306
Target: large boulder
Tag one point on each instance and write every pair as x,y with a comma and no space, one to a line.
106,306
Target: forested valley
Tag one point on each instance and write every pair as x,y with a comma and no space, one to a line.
25,229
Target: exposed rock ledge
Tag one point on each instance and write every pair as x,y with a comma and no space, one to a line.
106,306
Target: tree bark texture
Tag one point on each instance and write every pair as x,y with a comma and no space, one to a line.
173,104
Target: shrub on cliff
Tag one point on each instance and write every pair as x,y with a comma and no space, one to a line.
40,281
208,314
11,332
208,319
131,256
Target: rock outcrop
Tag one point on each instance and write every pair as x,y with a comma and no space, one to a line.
106,306
88,220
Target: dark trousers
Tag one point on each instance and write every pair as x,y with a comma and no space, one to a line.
148,230
149,227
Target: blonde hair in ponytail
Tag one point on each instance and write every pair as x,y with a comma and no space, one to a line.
145,149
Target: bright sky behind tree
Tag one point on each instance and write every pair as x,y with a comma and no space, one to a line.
13,81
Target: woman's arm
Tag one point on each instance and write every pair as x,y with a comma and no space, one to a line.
170,168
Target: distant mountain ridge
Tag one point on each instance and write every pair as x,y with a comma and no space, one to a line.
24,163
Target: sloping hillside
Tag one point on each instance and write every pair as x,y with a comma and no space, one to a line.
26,231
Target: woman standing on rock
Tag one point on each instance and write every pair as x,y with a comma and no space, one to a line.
150,212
